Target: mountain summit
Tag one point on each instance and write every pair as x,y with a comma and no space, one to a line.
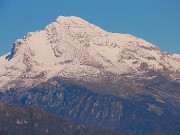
71,47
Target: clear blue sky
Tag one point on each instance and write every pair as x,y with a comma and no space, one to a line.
157,21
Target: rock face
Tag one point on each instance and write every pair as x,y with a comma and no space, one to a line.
137,115
89,76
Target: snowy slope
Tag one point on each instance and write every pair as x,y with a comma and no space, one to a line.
73,48
176,56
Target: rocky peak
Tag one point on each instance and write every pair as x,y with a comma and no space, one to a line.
73,48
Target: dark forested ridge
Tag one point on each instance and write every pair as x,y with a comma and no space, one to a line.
30,120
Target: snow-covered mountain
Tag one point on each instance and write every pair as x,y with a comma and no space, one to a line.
95,78
71,47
